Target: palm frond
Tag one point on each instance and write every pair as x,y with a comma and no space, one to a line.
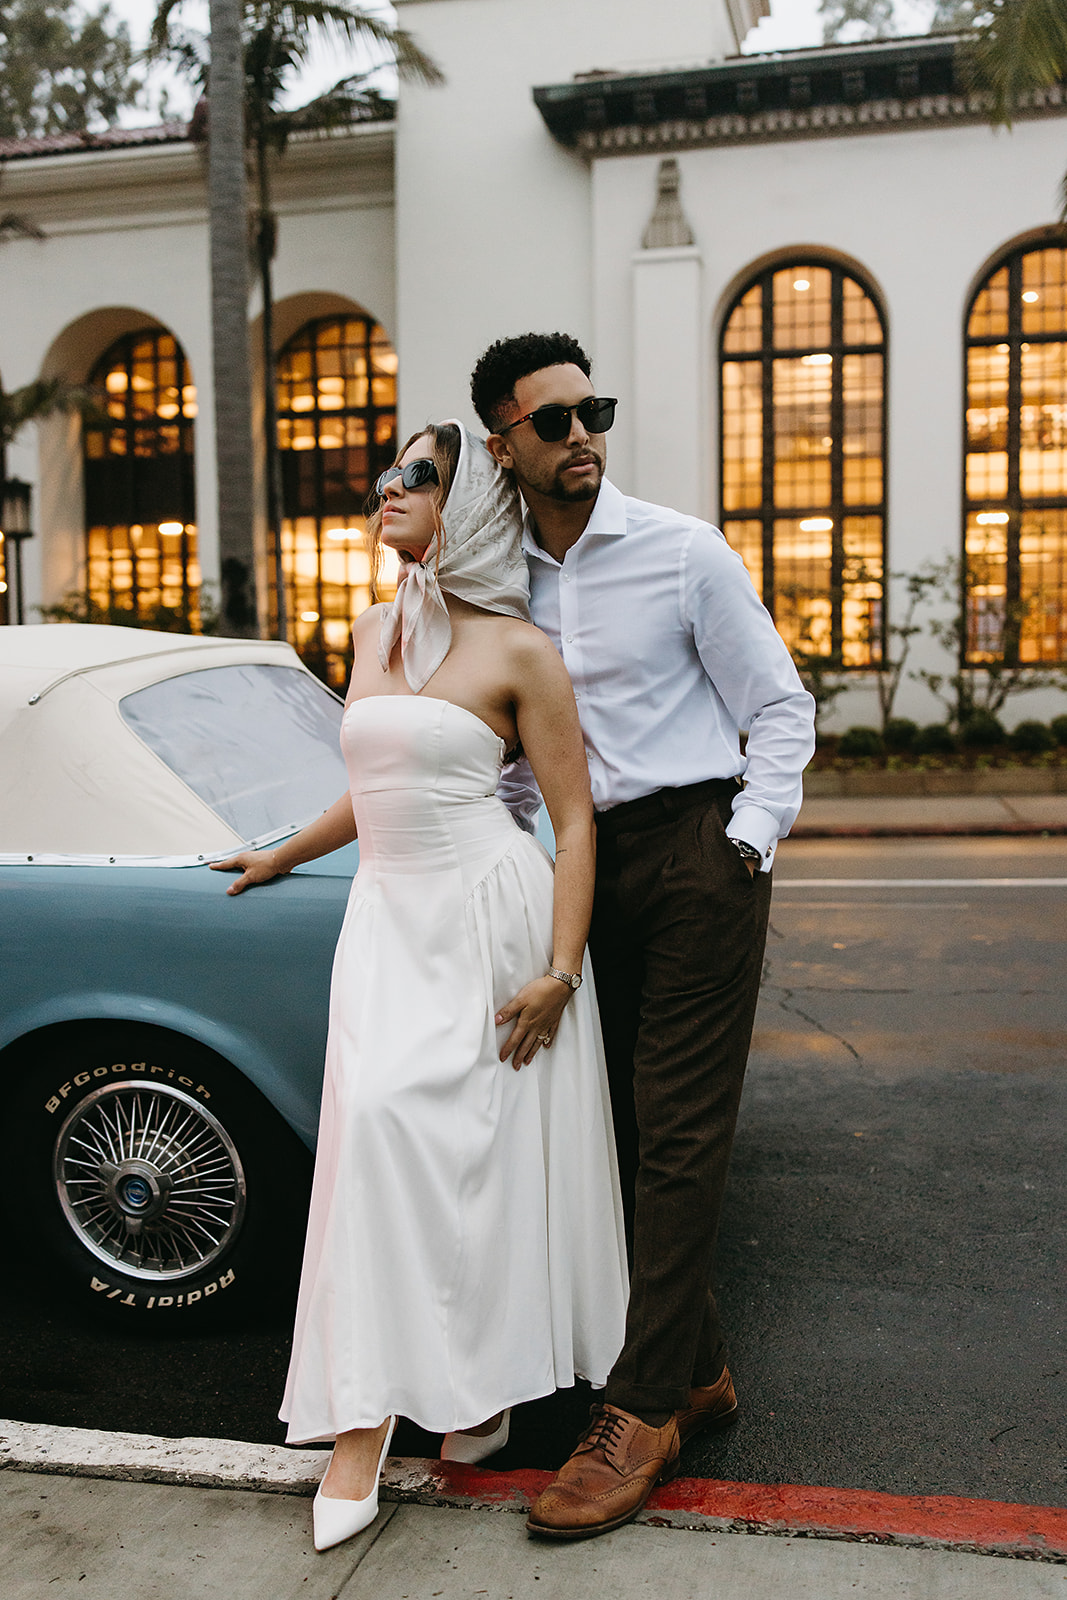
348,23
349,100
39,399
159,38
1021,46
12,226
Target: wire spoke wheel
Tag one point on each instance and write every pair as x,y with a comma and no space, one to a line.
149,1180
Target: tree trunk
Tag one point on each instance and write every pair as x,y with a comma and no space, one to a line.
231,345
265,245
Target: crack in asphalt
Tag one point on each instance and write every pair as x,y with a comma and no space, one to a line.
786,996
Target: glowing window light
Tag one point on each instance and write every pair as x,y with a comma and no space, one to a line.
988,519
1031,296
800,284
116,382
309,616
344,533
817,361
816,524
170,529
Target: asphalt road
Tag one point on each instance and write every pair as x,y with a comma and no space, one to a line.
892,1261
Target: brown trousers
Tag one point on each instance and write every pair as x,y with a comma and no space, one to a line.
677,939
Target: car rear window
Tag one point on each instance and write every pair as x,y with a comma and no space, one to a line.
259,744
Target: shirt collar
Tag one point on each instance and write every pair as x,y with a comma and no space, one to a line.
608,521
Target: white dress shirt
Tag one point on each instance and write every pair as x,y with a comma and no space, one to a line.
671,653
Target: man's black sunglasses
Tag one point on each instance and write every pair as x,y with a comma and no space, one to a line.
553,423
420,474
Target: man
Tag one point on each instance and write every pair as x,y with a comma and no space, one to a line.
671,654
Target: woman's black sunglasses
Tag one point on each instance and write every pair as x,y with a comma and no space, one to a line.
553,423
420,474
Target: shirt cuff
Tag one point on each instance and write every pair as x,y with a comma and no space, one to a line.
757,828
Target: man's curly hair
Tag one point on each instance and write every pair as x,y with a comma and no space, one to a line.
505,362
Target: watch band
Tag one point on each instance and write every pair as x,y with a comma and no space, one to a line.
573,980
746,851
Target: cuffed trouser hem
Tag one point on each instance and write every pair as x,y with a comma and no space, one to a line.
653,1405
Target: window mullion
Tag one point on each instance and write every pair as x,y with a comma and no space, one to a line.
837,492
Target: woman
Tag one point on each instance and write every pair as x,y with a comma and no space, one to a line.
464,1250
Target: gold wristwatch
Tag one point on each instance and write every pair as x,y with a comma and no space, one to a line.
573,980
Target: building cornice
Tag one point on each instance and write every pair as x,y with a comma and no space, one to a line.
891,86
165,184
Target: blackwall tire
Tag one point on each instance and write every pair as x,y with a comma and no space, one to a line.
151,1181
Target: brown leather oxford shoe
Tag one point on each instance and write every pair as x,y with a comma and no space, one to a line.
616,1465
709,1409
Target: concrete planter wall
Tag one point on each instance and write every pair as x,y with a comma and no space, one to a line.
990,781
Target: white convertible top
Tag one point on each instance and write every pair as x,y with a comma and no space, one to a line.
76,780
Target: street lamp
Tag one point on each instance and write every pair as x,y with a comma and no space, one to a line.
14,527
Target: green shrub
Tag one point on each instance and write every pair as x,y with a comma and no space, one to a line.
1059,729
935,739
981,730
1031,738
899,733
860,742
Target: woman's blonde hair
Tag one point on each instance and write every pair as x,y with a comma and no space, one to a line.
444,453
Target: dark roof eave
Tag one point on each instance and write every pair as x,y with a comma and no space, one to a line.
795,94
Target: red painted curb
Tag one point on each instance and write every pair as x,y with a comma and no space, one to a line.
987,1527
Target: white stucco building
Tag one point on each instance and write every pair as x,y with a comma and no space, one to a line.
832,303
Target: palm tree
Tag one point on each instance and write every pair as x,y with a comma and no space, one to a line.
230,346
1018,46
278,36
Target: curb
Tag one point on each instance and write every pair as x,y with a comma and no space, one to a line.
938,1522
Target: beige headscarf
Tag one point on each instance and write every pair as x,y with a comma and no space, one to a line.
482,562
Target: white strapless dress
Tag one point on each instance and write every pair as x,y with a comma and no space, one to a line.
465,1246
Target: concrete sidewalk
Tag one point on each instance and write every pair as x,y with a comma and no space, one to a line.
97,1539
824,817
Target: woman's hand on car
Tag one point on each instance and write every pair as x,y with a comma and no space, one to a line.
255,866
536,1011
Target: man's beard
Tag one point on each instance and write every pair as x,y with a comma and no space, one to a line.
573,494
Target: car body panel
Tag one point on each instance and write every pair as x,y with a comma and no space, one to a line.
247,975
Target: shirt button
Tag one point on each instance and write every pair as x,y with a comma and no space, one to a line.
566,577
570,638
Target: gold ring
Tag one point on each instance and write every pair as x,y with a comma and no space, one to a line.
544,1038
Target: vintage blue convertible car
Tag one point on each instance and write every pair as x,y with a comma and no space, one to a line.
161,1042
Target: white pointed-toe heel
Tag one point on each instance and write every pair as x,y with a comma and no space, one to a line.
470,1448
338,1520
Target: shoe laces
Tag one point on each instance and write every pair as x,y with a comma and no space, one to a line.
604,1431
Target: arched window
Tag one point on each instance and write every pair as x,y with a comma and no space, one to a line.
803,453
140,494
336,431
1016,476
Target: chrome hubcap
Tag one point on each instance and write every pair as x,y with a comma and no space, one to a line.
149,1180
